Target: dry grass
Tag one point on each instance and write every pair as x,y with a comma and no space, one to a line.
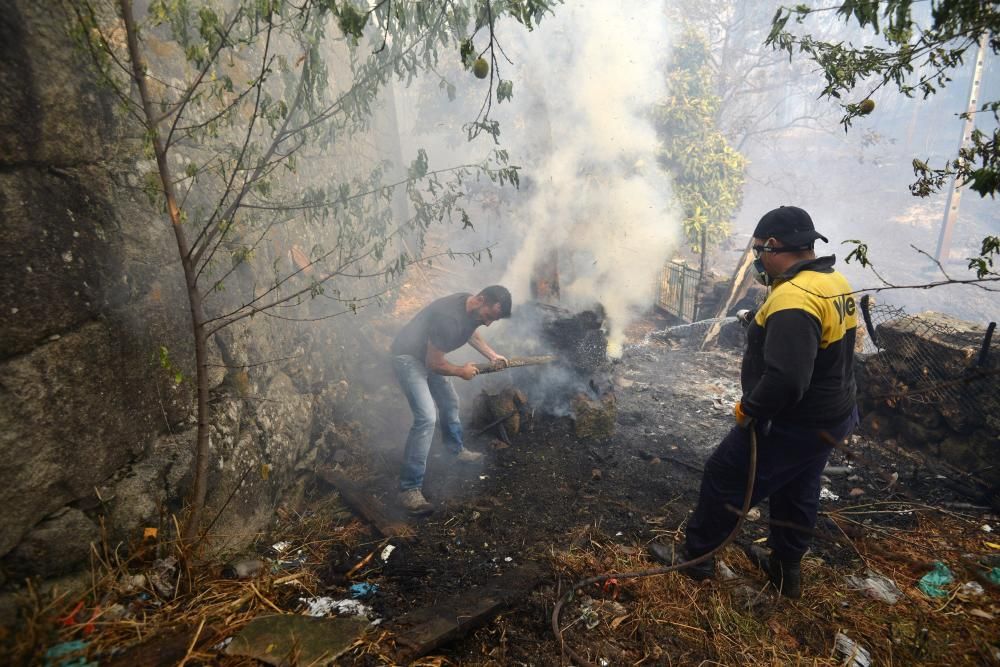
205,609
661,620
670,620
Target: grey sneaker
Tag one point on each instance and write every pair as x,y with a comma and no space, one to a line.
413,500
466,456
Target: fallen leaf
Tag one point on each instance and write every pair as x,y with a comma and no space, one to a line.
618,621
992,545
979,613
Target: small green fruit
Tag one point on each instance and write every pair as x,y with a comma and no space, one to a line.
866,106
481,68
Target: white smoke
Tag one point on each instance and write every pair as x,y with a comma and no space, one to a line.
594,71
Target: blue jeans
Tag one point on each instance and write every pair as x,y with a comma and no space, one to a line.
427,393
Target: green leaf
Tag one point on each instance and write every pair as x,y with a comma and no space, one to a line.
505,90
351,21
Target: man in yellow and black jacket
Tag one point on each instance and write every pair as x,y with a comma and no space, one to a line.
798,379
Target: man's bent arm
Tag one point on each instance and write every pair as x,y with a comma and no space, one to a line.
790,350
480,345
437,363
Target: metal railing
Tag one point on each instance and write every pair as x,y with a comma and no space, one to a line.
678,291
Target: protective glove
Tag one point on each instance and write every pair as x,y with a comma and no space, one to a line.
743,420
745,316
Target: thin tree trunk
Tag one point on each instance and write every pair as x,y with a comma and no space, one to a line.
701,273
190,275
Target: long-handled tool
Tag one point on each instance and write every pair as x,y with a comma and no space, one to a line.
516,362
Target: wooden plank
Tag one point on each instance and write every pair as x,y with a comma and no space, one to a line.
369,507
423,630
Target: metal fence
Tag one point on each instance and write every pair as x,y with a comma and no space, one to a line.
929,365
678,292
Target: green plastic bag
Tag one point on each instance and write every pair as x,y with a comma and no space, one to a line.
932,582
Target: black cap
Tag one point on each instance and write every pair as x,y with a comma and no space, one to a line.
790,225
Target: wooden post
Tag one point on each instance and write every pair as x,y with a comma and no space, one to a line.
742,280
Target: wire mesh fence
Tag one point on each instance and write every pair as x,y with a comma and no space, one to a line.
931,363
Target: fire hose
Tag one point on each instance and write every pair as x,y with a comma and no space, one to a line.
566,597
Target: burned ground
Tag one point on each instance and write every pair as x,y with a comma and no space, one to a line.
581,507
551,509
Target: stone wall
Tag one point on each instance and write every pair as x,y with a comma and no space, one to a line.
928,388
93,431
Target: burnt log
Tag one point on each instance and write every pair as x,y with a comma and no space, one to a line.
508,408
579,338
594,418
369,507
420,632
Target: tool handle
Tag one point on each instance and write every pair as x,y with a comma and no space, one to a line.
516,362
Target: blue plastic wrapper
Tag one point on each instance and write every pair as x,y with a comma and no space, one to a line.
68,654
932,582
363,590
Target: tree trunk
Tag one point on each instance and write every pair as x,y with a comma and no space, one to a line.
190,275
701,273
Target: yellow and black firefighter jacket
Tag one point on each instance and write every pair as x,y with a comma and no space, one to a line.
798,366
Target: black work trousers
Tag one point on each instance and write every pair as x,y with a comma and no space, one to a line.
790,461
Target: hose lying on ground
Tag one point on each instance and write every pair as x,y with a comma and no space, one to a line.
751,474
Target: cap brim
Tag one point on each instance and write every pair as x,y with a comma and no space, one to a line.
805,237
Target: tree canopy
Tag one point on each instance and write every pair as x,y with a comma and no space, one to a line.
920,50
707,173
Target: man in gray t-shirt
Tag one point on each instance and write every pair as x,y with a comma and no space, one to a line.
422,369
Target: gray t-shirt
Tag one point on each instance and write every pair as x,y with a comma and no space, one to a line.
444,323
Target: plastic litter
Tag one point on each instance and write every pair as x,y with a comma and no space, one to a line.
221,646
827,494
163,576
931,583
589,617
876,587
971,589
855,655
994,575
325,606
68,654
726,572
387,552
291,563
243,569
986,528
363,590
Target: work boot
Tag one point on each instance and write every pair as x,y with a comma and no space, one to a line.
786,576
467,456
413,500
667,555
